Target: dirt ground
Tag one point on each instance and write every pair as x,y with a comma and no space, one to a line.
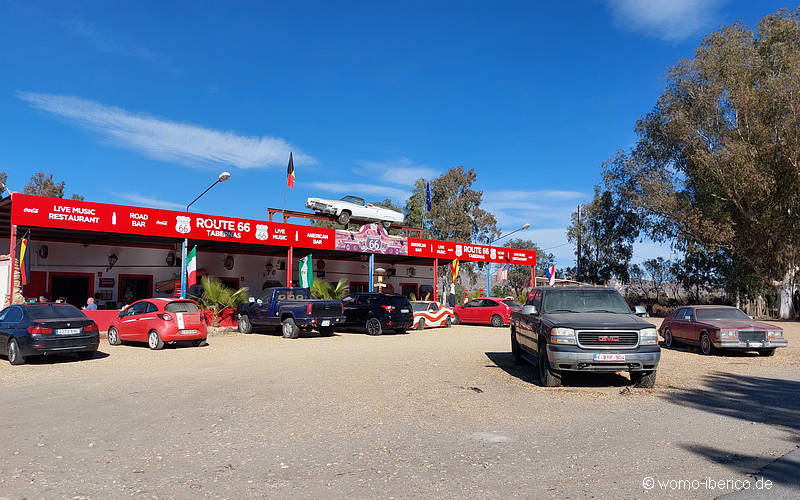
442,413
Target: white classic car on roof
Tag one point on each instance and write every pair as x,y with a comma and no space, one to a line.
354,208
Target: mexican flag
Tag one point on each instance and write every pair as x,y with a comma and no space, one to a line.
191,267
306,272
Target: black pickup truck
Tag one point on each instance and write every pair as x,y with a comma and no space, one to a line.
583,329
290,310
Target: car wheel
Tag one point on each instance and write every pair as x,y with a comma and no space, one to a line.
421,324
497,321
516,355
85,355
244,324
343,217
154,340
457,319
668,340
547,377
706,347
766,352
374,327
448,323
289,329
326,331
113,336
387,224
15,357
644,379
198,342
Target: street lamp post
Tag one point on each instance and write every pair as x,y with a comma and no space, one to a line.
523,228
224,176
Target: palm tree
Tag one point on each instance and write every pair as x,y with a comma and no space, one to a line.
321,289
217,297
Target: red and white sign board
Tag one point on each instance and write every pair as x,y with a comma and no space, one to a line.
37,211
58,213
449,250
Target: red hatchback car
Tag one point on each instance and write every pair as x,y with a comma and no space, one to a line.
159,321
486,311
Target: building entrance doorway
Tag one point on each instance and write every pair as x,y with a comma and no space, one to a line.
134,287
76,288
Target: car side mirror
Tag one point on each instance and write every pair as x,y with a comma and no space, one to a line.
640,311
251,299
259,302
750,317
529,309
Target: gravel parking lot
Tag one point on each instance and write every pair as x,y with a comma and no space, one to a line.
441,413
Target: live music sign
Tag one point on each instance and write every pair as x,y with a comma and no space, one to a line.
36,211
449,250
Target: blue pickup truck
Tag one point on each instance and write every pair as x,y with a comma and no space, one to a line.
291,310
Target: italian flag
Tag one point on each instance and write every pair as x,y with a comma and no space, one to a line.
191,267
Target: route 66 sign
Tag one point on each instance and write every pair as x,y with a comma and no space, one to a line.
373,243
183,224
262,232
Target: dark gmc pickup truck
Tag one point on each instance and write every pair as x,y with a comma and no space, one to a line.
291,310
583,329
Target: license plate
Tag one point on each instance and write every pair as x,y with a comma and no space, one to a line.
326,322
755,344
188,332
403,310
67,331
609,357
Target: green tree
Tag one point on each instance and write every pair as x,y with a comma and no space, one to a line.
519,277
717,163
607,228
700,271
41,184
322,289
216,297
416,208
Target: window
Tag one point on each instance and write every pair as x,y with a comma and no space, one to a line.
418,306
14,315
722,313
137,308
183,306
488,303
589,300
151,308
473,303
510,303
354,199
433,307
3,313
350,299
53,311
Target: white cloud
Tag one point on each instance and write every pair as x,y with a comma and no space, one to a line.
376,191
670,20
148,201
165,140
543,194
401,171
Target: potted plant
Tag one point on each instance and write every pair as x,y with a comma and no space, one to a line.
217,297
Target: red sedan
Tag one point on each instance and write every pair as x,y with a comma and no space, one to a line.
720,327
159,321
486,311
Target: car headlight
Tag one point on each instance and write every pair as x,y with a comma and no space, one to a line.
728,335
775,334
648,336
562,336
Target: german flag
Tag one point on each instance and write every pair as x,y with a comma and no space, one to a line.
290,172
24,258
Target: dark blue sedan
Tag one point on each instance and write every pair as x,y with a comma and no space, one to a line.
41,329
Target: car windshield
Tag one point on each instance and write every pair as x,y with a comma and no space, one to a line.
511,303
583,301
183,306
419,306
54,311
720,313
353,199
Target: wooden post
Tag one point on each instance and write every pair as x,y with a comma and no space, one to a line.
289,254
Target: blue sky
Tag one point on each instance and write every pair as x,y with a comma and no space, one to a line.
145,103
